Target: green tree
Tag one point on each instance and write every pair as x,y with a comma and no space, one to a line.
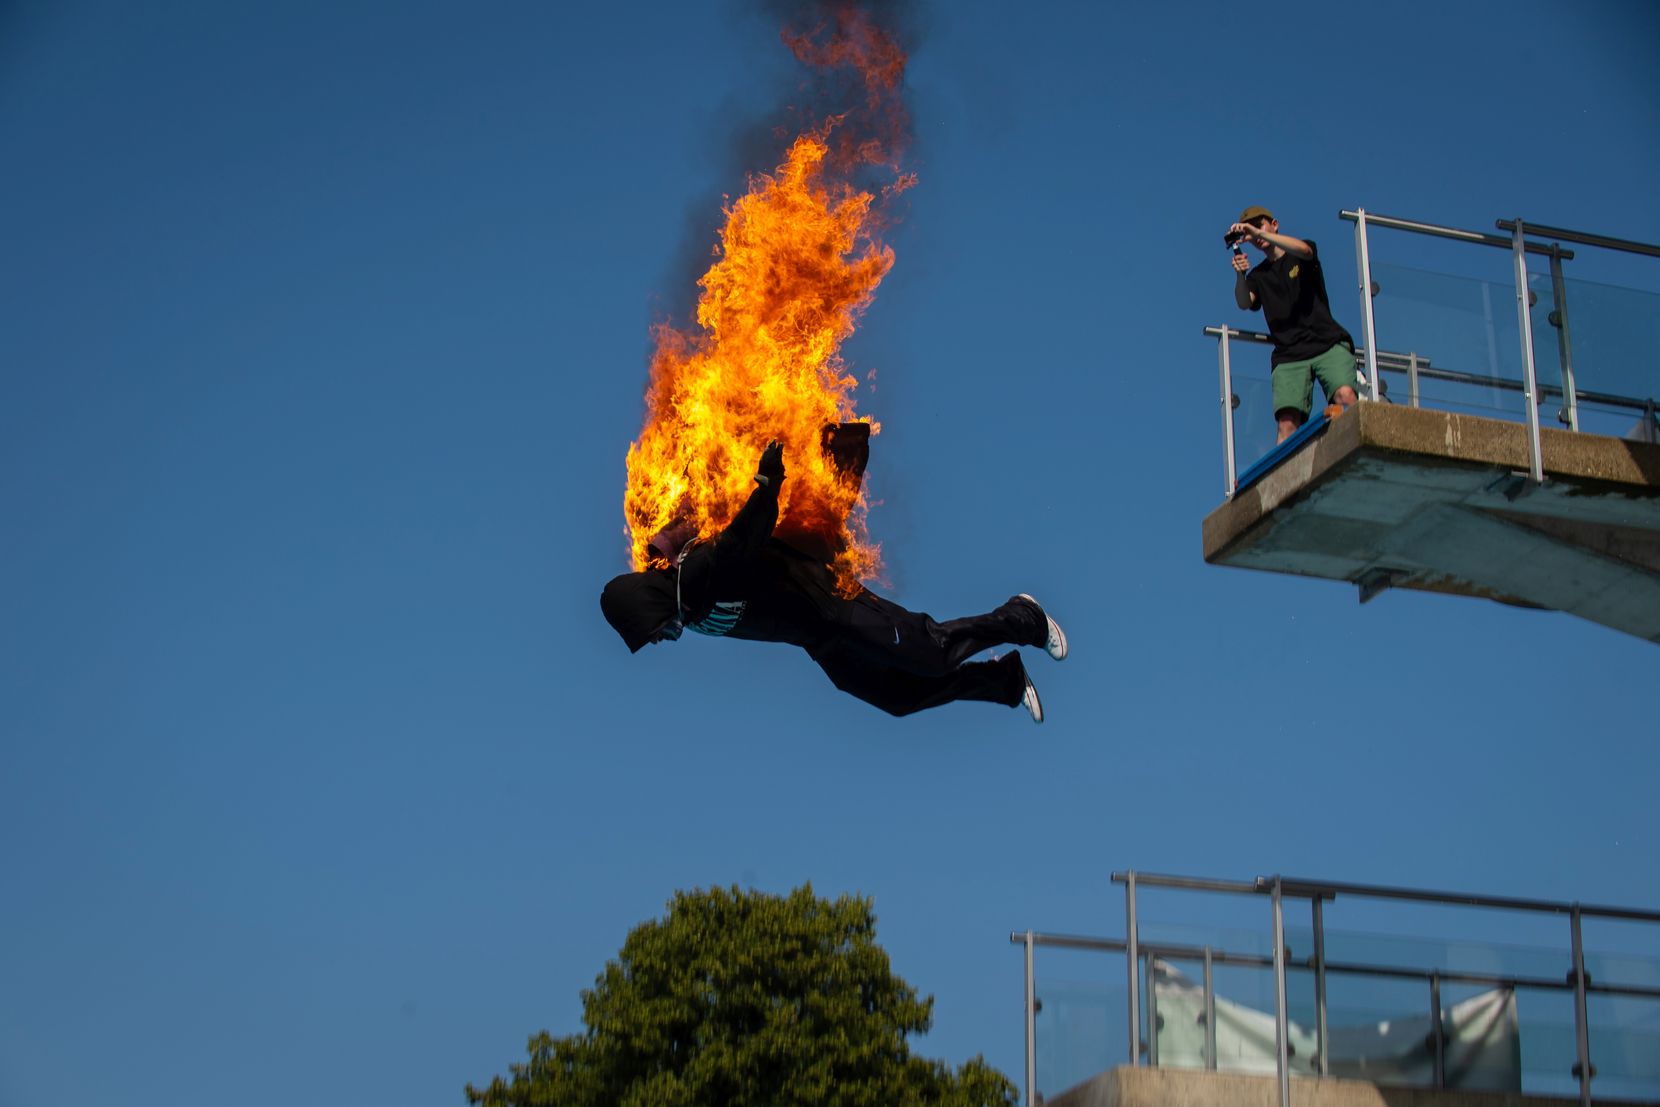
742,999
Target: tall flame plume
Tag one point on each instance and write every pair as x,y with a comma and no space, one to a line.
799,260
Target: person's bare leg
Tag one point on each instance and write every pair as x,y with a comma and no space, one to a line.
1339,402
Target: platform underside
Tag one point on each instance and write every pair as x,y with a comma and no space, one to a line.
1404,497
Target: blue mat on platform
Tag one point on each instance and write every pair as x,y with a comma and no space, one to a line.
1267,461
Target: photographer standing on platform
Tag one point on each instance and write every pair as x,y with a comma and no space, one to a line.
1289,288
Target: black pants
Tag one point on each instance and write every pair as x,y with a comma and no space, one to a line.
903,661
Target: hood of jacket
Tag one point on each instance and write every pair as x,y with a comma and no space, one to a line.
639,605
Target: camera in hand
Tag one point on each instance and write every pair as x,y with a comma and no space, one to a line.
1233,239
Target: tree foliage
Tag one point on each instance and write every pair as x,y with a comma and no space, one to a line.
743,999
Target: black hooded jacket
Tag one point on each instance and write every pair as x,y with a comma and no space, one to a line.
785,595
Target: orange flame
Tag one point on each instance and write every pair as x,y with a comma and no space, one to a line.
799,260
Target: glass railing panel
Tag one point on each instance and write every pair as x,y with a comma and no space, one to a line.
1244,995
1494,1038
1238,940
1497,1037
1082,1021
1245,1039
1462,326
1448,957
1545,1019
1254,427
1380,1031
1245,1034
1632,970
1547,356
1625,1030
1176,1009
1625,1046
1614,334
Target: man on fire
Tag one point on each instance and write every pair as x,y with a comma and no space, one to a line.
745,583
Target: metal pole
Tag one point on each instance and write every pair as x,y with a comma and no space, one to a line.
1413,225
1031,1026
1152,1011
1282,1058
1132,958
1228,463
1559,292
1437,1036
1412,378
1363,259
1320,981
1530,384
1210,1015
1582,1028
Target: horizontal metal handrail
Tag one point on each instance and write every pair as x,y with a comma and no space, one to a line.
1304,888
1181,952
1260,338
1070,941
1391,362
1191,883
1546,391
1330,889
1585,238
1457,233
1358,968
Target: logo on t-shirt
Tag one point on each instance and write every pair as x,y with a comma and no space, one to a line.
1294,270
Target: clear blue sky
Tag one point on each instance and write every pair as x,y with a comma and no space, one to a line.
323,332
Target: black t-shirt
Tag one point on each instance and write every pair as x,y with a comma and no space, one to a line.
1291,293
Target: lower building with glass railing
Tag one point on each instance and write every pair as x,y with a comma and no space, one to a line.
1348,986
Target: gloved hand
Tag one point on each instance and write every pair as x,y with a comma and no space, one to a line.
771,470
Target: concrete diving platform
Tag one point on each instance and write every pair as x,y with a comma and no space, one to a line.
1402,497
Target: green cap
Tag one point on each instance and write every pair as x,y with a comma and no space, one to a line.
1255,211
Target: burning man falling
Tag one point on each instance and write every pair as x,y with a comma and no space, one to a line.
799,261
745,583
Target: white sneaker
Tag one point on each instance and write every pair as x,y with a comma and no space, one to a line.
1029,700
1056,641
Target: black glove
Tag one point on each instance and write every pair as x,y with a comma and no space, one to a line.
771,470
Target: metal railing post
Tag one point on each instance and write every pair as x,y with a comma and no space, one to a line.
1582,1028
1412,378
1152,1011
1320,983
1132,958
1210,1014
1564,347
1282,1056
1530,383
1031,1026
1437,1035
1230,466
1363,260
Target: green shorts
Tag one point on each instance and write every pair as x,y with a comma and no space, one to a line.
1294,380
